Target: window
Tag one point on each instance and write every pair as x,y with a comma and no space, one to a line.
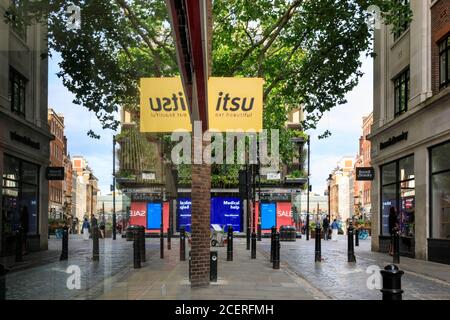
440,191
401,93
19,193
444,66
16,92
398,191
403,22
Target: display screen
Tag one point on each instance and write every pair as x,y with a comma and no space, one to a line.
268,215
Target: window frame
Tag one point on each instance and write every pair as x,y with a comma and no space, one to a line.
402,79
444,50
16,78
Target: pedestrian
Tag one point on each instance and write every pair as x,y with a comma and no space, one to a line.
102,229
86,229
393,227
334,228
24,222
326,225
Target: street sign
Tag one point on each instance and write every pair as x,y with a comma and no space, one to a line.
55,173
273,176
365,174
148,176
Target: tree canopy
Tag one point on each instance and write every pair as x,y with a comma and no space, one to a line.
307,51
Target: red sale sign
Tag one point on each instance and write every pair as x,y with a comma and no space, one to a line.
138,213
284,214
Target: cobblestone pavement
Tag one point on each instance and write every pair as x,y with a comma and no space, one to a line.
45,276
342,280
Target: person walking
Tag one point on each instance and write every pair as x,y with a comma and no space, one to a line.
334,228
86,229
325,225
102,228
393,227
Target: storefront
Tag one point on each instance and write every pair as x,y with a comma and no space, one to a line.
24,154
411,160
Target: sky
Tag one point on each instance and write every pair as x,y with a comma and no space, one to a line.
344,122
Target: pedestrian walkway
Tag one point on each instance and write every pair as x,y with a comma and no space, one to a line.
343,280
242,279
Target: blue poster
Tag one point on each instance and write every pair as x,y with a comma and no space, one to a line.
268,215
184,212
154,215
225,212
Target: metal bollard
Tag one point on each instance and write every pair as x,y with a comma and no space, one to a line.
230,244
392,283
136,249
19,245
213,266
169,240
351,249
357,237
65,244
318,248
276,251
253,253
95,246
161,242
3,272
272,242
396,247
182,244
248,238
189,265
259,232
142,253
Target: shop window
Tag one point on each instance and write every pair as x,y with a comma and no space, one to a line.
440,191
16,92
444,65
401,93
20,194
398,191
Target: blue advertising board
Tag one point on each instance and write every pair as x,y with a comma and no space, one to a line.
154,215
184,212
268,215
224,211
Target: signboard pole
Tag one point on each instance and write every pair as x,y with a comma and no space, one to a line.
114,190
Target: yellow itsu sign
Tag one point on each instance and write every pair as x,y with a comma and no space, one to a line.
235,104
163,105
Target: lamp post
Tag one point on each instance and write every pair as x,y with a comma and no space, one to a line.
307,194
114,190
330,178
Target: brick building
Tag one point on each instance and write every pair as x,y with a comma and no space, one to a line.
57,154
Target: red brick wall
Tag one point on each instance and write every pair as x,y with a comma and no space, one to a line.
200,227
440,27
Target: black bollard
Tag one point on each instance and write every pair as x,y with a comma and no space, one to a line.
272,242
248,238
213,266
318,249
182,244
396,246
169,240
276,251
189,265
230,244
253,253
3,272
351,248
259,232
19,245
161,242
95,246
136,249
142,254
65,244
357,237
392,283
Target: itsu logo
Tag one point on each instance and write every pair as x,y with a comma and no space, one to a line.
235,104
137,213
